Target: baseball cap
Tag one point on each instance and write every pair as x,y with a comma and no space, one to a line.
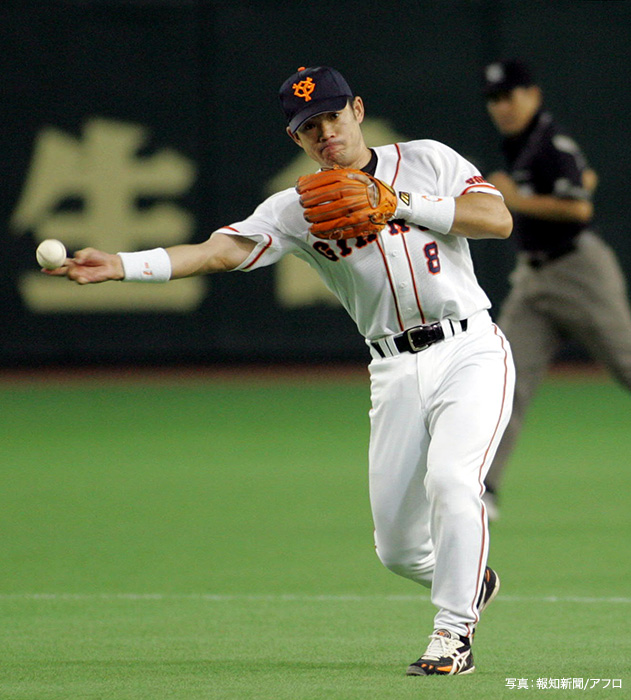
503,76
312,91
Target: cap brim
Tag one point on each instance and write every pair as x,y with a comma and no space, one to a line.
334,104
496,89
499,88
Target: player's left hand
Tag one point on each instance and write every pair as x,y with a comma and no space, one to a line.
345,203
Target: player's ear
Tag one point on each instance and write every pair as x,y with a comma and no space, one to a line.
294,137
358,109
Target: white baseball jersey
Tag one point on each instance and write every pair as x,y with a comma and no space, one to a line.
403,277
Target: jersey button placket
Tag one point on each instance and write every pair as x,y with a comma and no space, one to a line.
403,284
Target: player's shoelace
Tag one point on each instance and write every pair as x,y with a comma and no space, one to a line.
446,654
440,647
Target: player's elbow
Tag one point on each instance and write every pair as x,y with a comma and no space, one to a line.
218,263
226,252
502,224
481,215
499,221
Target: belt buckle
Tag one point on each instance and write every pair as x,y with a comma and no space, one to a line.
538,259
413,345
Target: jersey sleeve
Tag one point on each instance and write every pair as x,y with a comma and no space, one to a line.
455,175
273,226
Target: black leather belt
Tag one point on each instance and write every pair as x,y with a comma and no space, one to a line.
539,258
421,337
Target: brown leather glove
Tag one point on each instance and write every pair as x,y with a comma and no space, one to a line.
345,203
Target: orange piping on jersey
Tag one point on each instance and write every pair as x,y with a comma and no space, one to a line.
480,480
478,185
396,303
269,243
418,301
396,171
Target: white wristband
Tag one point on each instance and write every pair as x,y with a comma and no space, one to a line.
146,266
433,213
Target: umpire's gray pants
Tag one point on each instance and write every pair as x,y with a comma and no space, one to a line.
582,296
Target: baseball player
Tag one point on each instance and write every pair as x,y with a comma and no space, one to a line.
386,229
567,282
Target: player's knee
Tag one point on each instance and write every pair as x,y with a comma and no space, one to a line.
401,568
408,565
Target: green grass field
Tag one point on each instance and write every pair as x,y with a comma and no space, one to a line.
212,539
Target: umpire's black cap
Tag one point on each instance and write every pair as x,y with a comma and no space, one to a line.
312,91
503,76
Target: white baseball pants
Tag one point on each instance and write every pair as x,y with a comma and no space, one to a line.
437,417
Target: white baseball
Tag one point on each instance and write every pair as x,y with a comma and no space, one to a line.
51,254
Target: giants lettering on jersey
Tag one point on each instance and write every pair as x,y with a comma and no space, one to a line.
345,247
395,227
405,276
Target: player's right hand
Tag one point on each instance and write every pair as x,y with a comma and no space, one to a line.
90,266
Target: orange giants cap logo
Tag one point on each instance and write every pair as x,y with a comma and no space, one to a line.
304,89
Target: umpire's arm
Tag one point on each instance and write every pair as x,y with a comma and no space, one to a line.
545,206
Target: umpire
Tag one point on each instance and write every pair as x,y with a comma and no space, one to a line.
567,282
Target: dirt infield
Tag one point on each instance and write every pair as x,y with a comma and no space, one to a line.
181,374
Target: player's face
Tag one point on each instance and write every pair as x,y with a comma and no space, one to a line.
335,138
512,111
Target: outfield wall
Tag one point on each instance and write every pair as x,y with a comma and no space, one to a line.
131,124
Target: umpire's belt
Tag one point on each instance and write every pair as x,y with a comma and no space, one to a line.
539,258
418,338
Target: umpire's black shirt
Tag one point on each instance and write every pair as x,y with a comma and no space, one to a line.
543,160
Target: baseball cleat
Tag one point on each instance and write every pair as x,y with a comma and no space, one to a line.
448,654
490,588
